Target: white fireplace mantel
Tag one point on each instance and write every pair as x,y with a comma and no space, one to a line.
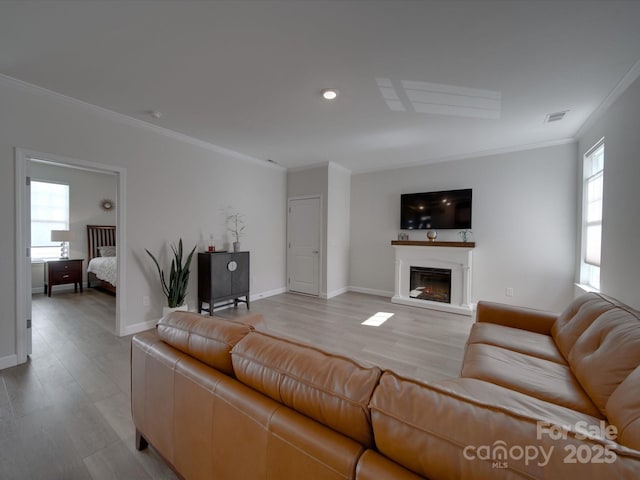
454,256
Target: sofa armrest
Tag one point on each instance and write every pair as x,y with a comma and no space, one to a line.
537,321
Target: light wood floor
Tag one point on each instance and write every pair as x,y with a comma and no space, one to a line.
65,414
415,342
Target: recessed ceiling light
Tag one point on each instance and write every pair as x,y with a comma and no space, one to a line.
154,113
329,93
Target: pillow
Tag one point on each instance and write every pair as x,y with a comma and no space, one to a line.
107,251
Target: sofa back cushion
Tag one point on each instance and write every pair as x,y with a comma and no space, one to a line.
623,409
606,353
576,318
209,339
330,389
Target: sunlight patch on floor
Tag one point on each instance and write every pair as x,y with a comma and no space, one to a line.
377,319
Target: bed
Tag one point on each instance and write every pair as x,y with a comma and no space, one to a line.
102,269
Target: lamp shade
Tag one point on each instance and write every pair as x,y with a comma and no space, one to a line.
60,235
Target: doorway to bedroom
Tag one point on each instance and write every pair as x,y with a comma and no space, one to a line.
70,227
69,211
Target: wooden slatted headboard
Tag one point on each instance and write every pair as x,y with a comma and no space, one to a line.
99,236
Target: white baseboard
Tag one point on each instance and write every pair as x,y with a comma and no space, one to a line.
8,361
268,293
139,327
371,291
59,288
335,293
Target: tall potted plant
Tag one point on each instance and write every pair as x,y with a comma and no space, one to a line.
176,288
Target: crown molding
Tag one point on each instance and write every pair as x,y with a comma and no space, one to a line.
628,79
475,154
134,122
303,168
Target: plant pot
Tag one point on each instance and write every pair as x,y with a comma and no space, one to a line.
236,246
167,310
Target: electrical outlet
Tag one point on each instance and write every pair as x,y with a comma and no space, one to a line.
508,292
145,300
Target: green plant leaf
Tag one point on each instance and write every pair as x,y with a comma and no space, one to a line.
176,289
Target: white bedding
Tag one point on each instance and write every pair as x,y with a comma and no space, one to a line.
105,268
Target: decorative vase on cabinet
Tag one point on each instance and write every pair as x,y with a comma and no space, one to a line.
222,276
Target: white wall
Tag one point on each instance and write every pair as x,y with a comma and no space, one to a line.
86,190
620,127
338,229
524,210
174,189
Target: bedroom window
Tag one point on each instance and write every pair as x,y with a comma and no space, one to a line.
49,211
592,190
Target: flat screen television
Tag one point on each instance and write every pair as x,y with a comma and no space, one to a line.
447,209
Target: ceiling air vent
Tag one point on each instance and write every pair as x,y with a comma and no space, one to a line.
554,117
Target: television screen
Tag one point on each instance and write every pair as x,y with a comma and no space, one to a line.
436,210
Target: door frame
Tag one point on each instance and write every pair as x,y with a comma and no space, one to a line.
23,228
320,233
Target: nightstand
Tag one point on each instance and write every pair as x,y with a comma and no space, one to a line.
62,271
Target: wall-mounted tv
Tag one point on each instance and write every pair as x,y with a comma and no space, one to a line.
436,210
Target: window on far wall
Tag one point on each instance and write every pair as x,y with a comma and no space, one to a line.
49,211
592,189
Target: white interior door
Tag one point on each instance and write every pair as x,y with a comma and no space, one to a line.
303,252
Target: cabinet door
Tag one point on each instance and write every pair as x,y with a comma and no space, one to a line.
220,275
240,277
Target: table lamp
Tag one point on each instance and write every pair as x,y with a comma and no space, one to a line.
62,236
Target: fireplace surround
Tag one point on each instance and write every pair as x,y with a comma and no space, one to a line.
452,257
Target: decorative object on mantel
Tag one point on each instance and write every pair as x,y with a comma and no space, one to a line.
212,246
176,289
432,235
403,236
235,225
464,234
107,205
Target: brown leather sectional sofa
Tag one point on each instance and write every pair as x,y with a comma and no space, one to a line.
540,396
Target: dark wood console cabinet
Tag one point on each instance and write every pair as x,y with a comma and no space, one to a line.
222,276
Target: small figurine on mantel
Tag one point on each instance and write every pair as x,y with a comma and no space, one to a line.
464,234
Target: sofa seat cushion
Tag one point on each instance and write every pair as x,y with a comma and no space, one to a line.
530,343
330,389
436,431
539,378
209,339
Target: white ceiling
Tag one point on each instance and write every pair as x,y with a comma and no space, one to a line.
246,75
